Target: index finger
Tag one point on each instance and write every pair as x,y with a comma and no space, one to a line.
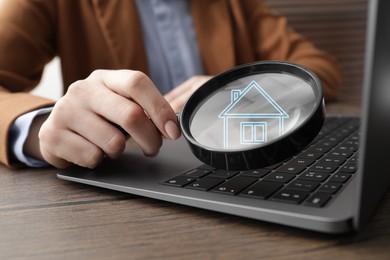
136,86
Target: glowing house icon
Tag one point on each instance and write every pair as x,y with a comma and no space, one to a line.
252,117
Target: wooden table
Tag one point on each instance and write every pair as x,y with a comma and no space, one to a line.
43,217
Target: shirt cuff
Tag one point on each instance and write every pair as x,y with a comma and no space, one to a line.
18,135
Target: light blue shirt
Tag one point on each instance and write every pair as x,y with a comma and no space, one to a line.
170,40
172,53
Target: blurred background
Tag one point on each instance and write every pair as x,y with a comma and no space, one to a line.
336,26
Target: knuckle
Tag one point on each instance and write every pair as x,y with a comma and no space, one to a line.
92,159
76,87
132,115
195,78
161,110
115,145
60,105
96,73
48,135
177,104
136,80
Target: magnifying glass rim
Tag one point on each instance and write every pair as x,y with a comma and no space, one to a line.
220,81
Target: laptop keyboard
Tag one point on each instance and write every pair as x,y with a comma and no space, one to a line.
311,178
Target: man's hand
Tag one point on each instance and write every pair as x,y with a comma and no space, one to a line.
80,128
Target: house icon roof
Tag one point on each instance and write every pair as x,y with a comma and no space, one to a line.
241,107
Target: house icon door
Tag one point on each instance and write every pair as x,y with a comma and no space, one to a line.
246,127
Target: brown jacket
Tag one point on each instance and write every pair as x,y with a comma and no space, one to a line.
106,34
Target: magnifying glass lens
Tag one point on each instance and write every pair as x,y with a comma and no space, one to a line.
254,115
252,111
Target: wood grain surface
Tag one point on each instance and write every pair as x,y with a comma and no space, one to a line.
42,217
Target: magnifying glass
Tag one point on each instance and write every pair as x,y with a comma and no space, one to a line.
254,115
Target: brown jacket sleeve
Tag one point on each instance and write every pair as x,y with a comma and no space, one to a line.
24,51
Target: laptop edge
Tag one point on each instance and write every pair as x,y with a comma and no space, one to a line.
372,185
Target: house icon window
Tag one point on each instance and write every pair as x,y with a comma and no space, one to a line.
253,132
246,124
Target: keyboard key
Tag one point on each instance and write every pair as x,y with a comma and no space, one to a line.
290,196
313,176
179,181
348,146
223,174
353,142
235,185
318,167
340,177
261,189
342,153
318,199
311,155
314,149
319,149
332,141
205,183
326,143
328,159
330,187
197,173
256,173
303,185
354,159
293,169
301,161
349,168
279,177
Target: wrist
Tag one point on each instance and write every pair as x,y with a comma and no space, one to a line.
31,146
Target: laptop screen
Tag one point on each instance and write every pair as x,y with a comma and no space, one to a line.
374,176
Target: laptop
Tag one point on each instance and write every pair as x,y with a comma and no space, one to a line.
332,186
